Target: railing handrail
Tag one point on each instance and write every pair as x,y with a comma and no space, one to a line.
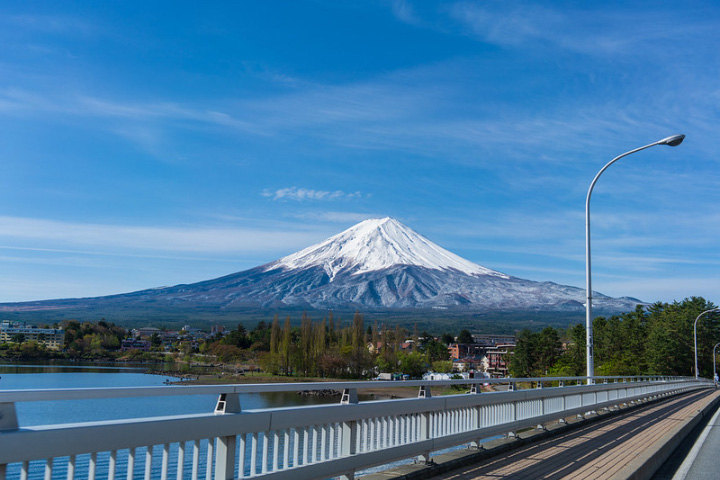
30,395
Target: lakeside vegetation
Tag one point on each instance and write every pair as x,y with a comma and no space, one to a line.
654,340
657,339
312,350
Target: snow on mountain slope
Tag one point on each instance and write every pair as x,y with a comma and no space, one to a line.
378,244
378,264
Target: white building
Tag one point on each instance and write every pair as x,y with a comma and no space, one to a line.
53,338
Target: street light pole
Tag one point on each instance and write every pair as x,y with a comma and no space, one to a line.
695,336
672,141
715,375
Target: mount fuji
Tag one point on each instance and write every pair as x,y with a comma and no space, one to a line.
378,264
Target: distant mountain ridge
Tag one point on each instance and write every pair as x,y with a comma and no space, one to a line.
378,264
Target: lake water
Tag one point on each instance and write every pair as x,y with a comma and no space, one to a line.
22,377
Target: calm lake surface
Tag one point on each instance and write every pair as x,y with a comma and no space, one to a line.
23,377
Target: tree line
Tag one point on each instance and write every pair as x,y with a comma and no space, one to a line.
326,348
653,340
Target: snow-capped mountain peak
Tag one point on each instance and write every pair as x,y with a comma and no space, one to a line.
376,244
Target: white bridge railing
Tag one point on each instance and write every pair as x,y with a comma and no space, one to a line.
320,441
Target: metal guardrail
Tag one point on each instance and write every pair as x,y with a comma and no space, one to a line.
320,441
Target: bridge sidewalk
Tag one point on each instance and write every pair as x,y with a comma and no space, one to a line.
628,444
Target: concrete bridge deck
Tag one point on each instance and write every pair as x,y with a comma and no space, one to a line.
632,443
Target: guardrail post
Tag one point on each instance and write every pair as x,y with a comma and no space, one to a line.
425,433
424,392
228,403
348,432
225,457
474,390
348,438
8,417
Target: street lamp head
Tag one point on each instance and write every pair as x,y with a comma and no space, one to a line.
673,141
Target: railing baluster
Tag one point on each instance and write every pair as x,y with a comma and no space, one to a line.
296,447
241,455
286,450
24,470
148,462
264,452
165,462
71,467
180,471
323,442
317,430
92,466
253,454
195,461
306,445
209,465
276,451
130,465
112,465
48,469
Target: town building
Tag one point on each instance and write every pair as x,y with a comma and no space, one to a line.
135,344
497,359
52,338
480,346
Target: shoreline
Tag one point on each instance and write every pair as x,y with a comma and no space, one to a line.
395,389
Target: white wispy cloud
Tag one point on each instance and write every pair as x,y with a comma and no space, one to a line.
32,233
405,12
584,27
421,110
302,194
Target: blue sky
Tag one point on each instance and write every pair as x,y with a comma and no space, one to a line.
154,143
